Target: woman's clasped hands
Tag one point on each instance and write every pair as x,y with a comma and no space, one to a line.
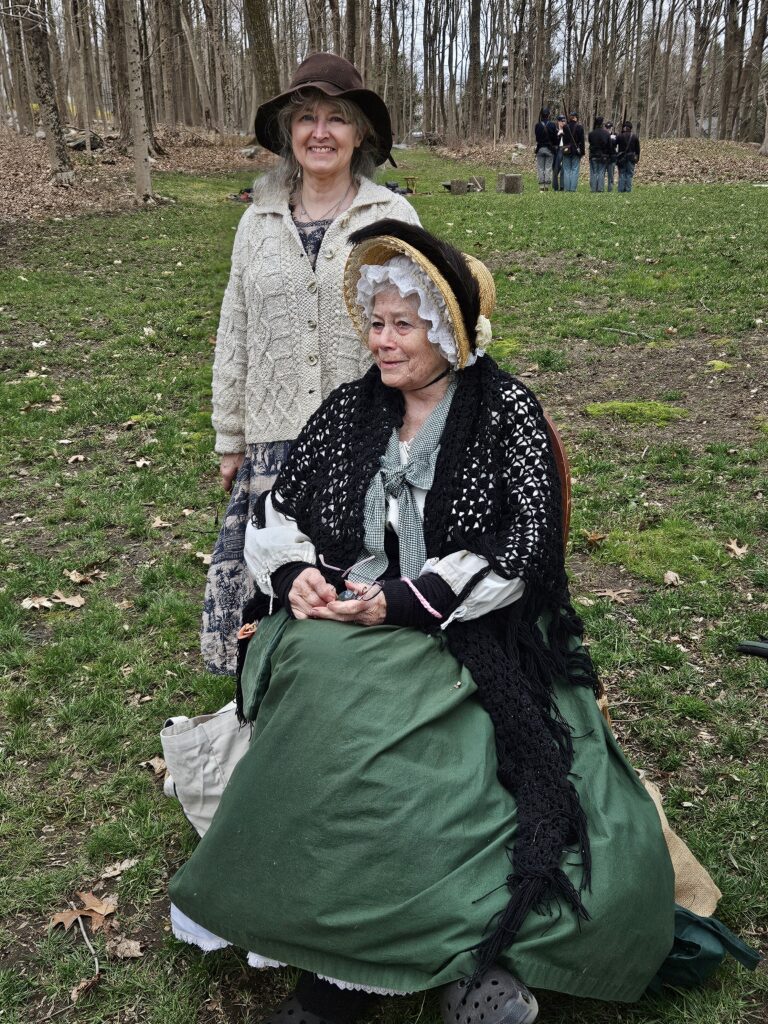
312,597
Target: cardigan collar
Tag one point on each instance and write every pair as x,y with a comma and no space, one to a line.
369,194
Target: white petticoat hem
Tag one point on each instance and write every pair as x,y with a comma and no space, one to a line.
187,930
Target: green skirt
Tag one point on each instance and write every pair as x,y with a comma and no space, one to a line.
365,837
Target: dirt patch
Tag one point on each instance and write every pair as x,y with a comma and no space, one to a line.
727,406
106,183
663,161
554,262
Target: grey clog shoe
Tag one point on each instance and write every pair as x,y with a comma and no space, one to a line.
498,999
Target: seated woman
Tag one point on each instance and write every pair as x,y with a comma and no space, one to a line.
431,797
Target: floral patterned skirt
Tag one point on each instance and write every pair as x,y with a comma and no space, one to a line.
228,586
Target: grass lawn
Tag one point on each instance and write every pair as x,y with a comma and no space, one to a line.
640,322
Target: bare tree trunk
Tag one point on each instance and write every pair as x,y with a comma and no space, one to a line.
474,126
117,51
749,82
212,10
96,70
350,30
141,166
378,47
729,58
393,62
202,85
166,51
57,70
19,87
763,151
33,17
262,51
82,38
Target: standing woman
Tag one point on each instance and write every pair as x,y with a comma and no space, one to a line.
285,339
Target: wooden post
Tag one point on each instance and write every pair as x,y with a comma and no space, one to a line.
510,183
458,187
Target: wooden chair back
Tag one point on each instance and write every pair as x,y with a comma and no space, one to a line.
563,471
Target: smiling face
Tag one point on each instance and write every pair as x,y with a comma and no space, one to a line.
399,344
323,141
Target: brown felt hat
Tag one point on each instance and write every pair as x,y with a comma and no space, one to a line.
335,77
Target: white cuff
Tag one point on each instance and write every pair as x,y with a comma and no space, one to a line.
492,592
278,543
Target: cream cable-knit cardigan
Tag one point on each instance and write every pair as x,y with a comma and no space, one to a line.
285,340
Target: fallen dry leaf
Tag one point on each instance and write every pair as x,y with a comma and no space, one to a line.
124,605
76,601
94,908
36,603
67,918
205,559
671,579
96,905
75,458
157,764
160,524
593,538
736,550
616,596
124,949
84,986
142,463
84,578
117,869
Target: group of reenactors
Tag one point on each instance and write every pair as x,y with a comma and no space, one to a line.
560,147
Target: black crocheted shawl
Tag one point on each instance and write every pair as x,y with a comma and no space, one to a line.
496,493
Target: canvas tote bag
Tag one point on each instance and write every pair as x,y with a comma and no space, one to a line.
200,754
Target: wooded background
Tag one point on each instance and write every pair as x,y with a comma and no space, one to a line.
451,69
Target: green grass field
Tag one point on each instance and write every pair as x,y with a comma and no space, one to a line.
639,320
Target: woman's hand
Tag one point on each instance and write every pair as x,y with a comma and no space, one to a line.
228,469
310,593
362,613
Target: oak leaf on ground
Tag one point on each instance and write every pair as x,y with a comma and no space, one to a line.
94,908
734,549
75,601
615,596
116,869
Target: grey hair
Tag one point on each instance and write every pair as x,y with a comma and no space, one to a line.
286,176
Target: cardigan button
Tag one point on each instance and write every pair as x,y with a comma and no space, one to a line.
312,359
312,324
312,287
330,253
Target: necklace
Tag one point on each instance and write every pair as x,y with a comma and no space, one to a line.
329,214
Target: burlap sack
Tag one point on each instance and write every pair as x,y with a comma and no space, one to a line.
694,887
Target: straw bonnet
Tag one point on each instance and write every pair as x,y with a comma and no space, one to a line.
465,284
337,78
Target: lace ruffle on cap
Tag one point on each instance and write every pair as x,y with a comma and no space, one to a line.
402,274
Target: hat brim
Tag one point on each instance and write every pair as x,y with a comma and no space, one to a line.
371,104
377,251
